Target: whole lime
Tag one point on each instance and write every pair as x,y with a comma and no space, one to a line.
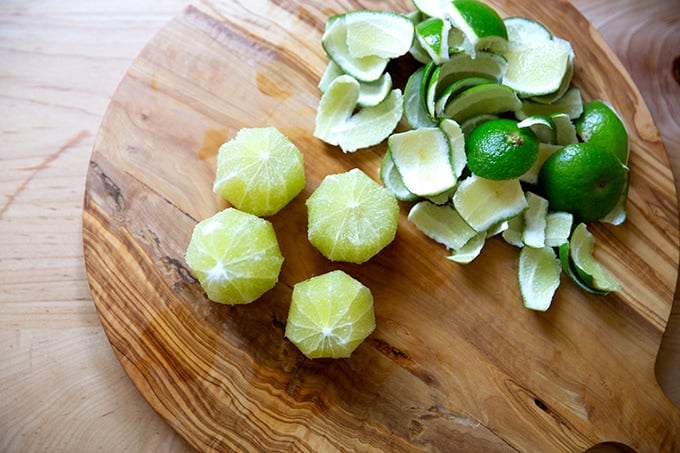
601,125
499,149
584,179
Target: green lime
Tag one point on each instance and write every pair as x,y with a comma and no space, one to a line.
499,149
330,315
583,179
235,256
415,112
601,125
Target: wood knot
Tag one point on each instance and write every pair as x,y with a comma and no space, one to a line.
676,69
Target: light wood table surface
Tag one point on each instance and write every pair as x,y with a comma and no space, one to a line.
61,387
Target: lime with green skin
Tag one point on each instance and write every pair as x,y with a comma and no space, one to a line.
584,179
499,149
601,125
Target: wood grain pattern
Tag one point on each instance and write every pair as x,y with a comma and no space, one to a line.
62,387
455,360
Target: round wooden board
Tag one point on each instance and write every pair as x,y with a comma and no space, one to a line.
455,362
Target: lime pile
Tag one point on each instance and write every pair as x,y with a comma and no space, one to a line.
488,137
492,137
235,254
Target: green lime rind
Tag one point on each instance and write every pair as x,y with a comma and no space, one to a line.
558,226
454,133
373,33
442,224
370,125
490,98
588,269
471,250
433,36
565,131
619,213
370,93
414,107
541,126
571,103
484,203
335,107
513,233
525,32
568,268
423,159
540,70
539,277
535,221
334,42
460,66
471,124
391,178
454,90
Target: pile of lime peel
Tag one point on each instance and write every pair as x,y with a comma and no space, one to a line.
487,137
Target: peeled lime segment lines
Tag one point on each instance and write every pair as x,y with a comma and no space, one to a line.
259,171
351,217
235,256
330,315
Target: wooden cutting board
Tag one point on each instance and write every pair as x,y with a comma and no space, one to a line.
456,362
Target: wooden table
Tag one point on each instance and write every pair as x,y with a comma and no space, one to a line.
61,387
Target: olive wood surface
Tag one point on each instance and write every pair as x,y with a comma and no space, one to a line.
455,359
